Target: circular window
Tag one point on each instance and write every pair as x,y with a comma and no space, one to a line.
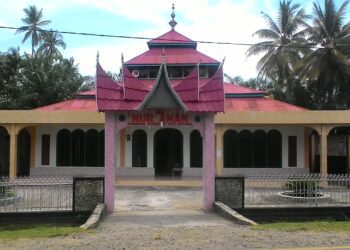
121,118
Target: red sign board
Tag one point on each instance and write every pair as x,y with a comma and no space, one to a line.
160,119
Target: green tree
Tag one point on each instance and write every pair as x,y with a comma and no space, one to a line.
51,40
33,23
326,70
29,82
284,44
253,83
46,81
10,70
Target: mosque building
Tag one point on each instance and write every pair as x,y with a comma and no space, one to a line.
172,114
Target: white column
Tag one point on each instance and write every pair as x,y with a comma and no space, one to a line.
186,148
208,162
150,146
324,151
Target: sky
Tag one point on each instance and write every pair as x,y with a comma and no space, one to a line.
205,20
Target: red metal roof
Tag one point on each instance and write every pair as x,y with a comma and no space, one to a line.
231,104
73,105
186,92
236,89
112,96
87,93
172,56
258,104
171,37
188,89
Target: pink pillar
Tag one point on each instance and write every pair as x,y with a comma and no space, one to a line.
110,155
208,162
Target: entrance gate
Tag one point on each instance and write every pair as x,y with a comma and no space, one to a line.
187,103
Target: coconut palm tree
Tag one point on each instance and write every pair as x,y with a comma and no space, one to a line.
327,68
51,40
33,23
284,43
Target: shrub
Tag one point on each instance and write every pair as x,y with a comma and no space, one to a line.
6,191
303,188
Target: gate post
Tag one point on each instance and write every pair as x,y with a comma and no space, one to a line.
110,155
208,162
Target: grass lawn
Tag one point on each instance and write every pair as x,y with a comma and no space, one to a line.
318,226
35,231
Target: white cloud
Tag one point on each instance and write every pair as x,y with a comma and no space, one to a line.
222,20
110,56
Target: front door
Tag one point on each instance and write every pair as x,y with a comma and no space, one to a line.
168,144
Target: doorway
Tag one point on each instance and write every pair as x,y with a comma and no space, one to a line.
4,152
168,153
23,151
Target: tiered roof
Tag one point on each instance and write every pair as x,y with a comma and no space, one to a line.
191,94
129,96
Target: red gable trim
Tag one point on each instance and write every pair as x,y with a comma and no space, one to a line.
163,72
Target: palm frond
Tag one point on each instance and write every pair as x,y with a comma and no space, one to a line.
271,23
266,33
260,48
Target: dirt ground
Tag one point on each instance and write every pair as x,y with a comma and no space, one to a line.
171,218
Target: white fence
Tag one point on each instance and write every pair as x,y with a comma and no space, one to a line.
311,190
36,194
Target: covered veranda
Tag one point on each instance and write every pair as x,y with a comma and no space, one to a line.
319,130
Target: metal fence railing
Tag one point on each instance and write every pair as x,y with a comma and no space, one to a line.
36,194
311,190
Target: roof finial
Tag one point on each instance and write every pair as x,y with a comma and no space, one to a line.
122,58
98,57
172,21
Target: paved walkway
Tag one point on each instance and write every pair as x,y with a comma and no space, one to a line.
158,198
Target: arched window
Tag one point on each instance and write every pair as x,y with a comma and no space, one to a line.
196,149
101,148
92,144
139,148
274,149
63,148
4,152
231,149
245,149
78,147
259,149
